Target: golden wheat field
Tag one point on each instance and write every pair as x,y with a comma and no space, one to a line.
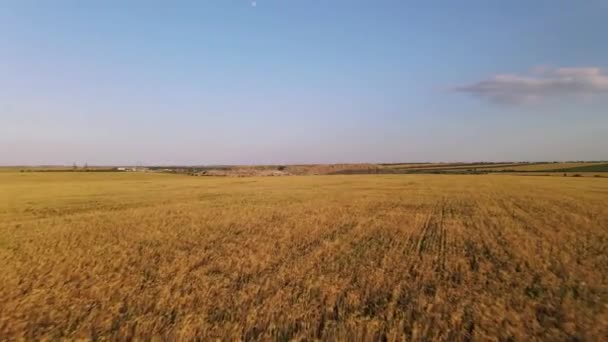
366,257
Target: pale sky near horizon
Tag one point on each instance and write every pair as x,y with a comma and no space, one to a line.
283,82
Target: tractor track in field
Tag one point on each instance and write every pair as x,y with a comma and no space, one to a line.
431,239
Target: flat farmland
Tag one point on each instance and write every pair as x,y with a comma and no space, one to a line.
574,167
360,257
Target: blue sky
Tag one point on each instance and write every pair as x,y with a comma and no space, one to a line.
281,81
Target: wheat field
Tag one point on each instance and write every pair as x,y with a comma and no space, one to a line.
362,257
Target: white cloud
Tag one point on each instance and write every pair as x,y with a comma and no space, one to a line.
542,83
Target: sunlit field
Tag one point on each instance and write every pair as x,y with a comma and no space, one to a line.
442,257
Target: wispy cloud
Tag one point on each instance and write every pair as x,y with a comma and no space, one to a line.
540,84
